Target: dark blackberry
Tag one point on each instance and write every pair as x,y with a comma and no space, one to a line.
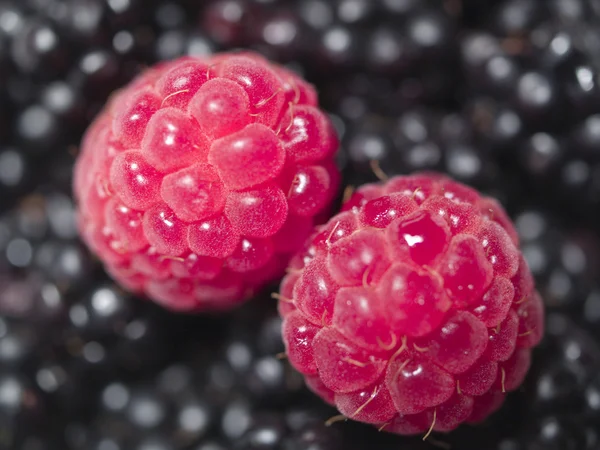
419,140
562,392
24,420
40,234
15,174
37,49
409,45
563,258
60,61
220,394
37,130
171,44
532,95
280,34
384,95
178,33
224,21
558,406
591,311
64,327
254,358
133,418
388,39
266,432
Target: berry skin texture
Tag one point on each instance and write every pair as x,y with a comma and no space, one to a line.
412,309
201,178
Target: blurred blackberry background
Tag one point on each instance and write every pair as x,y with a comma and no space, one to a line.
503,95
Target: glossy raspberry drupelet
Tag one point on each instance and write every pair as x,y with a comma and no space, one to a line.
200,179
413,308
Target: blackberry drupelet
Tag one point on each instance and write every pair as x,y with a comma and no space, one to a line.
15,175
25,421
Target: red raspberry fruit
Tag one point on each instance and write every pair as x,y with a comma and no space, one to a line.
201,178
413,308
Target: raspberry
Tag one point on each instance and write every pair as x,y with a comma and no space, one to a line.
201,178
413,308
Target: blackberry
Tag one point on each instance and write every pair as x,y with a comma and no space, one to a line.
249,359
402,42
37,45
561,399
563,258
162,419
22,404
526,64
40,234
420,139
60,61
558,406
224,21
214,397
15,174
64,327
171,44
178,33
591,311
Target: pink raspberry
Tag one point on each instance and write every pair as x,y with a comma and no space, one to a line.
202,177
413,308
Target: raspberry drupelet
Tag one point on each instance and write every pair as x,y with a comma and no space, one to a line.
200,179
413,308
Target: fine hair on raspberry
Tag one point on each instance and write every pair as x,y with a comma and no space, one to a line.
413,308
200,179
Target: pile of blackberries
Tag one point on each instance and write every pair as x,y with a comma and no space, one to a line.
503,95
